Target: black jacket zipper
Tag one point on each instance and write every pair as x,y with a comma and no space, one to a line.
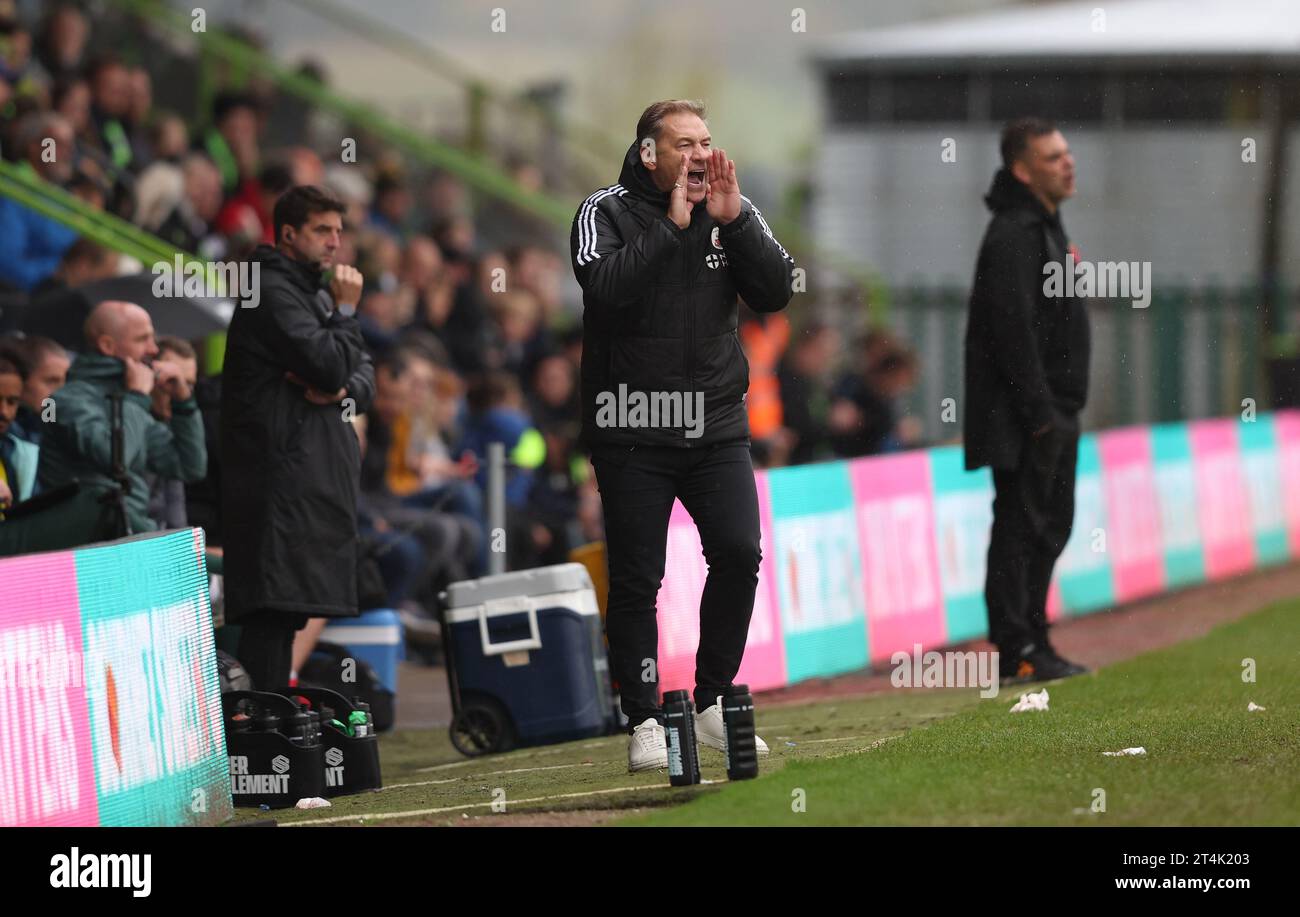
690,312
690,317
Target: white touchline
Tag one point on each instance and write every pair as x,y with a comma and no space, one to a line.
475,776
847,738
415,813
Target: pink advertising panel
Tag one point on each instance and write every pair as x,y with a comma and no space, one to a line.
1223,503
1287,426
679,607
1133,511
894,504
47,770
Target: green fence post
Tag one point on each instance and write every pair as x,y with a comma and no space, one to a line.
1220,353
1167,340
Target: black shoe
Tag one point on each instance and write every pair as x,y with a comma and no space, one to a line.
1071,668
1015,668
1045,665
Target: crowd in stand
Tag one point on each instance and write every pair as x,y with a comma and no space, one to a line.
467,309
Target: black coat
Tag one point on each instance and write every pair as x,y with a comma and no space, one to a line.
1026,353
659,304
289,467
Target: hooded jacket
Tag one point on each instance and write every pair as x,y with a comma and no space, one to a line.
660,310
78,443
1026,352
289,468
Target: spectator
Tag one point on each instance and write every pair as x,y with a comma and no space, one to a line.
554,404
169,137
496,414
232,142
139,107
46,366
245,219
864,417
61,47
558,488
18,457
447,198
453,542
764,337
398,465
538,271
516,330
78,440
59,307
33,243
71,98
392,205
110,85
24,76
444,482
167,495
401,556
804,379
179,204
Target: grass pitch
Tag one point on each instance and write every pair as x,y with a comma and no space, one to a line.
922,757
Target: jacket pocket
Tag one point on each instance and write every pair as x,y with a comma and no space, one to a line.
644,364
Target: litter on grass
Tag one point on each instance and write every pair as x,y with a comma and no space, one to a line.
1033,701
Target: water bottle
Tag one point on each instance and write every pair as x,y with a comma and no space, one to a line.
738,726
316,727
679,727
267,722
299,728
361,720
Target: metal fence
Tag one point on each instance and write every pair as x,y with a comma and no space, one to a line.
1192,353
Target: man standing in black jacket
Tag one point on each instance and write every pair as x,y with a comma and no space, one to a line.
1026,381
295,375
664,382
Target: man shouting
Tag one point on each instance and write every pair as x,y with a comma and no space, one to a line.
661,258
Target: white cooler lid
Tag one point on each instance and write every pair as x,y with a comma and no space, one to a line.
538,581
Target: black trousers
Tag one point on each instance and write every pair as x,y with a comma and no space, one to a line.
1033,512
266,647
637,486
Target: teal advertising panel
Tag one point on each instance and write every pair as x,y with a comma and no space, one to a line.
819,575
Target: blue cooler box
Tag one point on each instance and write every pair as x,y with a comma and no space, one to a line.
374,637
531,640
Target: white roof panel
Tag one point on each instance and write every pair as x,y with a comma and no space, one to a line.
1137,28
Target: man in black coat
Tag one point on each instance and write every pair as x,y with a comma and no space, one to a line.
661,257
1026,381
295,376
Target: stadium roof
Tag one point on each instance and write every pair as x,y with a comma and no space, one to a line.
1198,31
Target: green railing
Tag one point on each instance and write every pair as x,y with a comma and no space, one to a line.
51,201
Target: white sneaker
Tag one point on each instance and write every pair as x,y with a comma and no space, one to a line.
711,731
647,748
